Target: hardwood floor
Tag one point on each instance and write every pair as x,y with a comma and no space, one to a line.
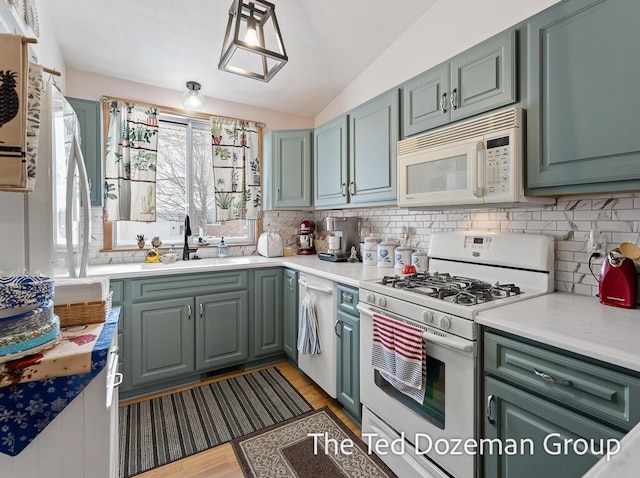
220,462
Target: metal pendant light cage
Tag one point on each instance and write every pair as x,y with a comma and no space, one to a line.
259,61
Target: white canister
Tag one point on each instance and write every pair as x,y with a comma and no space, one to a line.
420,260
403,256
386,254
370,251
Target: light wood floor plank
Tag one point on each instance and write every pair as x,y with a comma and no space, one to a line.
220,462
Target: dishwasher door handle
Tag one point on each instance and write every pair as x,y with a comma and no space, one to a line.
308,286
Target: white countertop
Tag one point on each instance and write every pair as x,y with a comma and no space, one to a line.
573,322
343,272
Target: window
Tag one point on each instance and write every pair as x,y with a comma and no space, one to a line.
184,185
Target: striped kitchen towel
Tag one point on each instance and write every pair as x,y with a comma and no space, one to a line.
13,111
399,354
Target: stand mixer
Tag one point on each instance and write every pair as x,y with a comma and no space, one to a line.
305,238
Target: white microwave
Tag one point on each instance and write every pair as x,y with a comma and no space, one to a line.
473,162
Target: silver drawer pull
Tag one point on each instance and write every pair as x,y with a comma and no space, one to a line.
488,412
548,378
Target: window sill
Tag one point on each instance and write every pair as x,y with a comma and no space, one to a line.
175,248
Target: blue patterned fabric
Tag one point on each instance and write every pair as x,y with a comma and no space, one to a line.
27,408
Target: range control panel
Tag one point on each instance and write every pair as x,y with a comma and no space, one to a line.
477,243
498,166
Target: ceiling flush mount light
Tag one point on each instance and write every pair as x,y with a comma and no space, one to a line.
192,99
253,44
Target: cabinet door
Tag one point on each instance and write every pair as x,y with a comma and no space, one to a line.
292,169
425,101
290,315
348,330
222,330
520,417
330,163
267,312
373,138
484,77
89,115
583,105
161,340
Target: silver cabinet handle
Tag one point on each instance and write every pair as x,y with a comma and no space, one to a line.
454,98
352,188
347,298
488,411
201,310
549,378
189,311
278,196
343,189
335,327
291,284
443,103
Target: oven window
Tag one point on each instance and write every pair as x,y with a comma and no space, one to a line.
432,409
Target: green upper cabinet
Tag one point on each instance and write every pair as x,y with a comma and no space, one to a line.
480,79
331,163
583,108
291,157
90,119
425,101
373,134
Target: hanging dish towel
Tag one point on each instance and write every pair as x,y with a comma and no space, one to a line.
13,111
308,338
400,355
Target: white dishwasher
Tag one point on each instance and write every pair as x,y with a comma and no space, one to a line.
322,367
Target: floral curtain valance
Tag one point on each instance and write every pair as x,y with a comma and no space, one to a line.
130,162
236,168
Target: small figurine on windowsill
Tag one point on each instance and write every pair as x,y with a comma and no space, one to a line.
354,255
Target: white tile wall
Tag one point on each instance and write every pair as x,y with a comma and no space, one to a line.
569,221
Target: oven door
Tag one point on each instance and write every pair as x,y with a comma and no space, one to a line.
447,175
447,413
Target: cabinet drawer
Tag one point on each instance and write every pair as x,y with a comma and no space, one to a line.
347,299
188,285
118,291
587,387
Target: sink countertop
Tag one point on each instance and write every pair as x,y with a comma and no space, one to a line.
577,323
343,272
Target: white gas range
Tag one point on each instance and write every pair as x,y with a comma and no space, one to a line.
468,272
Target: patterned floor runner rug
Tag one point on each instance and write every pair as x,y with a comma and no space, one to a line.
165,429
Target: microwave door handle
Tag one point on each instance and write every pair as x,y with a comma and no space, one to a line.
476,180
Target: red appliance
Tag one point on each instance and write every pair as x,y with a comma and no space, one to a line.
305,238
618,281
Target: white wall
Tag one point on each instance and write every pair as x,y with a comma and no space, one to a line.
13,234
91,86
446,29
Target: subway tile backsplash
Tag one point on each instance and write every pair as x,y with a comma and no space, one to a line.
569,221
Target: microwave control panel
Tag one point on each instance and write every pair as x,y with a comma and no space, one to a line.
498,166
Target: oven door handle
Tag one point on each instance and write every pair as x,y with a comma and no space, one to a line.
431,337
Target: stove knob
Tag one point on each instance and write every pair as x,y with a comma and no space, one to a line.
427,316
381,302
445,323
371,298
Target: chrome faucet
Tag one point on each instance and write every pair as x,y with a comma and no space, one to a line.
186,250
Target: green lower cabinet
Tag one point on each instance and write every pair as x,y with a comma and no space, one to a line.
532,437
222,330
290,315
348,330
267,312
162,332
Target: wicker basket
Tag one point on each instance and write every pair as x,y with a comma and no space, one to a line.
85,313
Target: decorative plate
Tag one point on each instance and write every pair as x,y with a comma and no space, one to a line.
22,291
31,16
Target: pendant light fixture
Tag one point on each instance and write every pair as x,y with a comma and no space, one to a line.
192,99
253,44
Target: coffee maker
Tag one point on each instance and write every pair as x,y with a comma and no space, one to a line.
342,234
305,238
